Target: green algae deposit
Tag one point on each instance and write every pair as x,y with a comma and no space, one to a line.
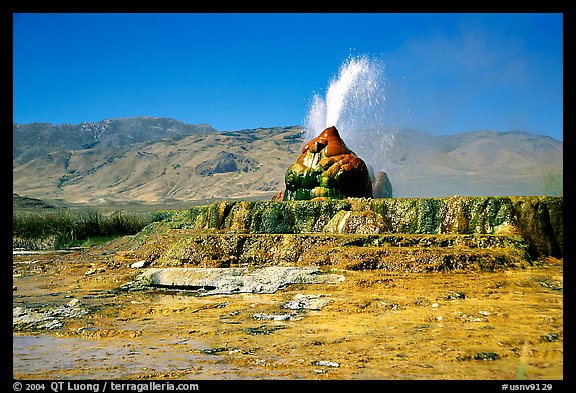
410,234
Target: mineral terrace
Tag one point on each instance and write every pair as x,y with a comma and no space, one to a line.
392,288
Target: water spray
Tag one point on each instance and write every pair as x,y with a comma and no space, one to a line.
355,105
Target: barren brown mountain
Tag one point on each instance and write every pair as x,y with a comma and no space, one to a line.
159,160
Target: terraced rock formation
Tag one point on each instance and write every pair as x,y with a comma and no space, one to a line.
396,234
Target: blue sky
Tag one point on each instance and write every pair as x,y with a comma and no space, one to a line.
445,73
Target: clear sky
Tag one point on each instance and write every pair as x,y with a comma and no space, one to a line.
446,73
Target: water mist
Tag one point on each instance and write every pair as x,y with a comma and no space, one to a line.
355,105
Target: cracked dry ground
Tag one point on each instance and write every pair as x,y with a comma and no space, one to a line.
377,325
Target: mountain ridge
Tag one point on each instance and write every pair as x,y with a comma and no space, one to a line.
108,132
155,160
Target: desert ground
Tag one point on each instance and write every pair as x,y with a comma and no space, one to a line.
70,321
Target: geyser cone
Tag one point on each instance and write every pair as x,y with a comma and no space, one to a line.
329,140
327,169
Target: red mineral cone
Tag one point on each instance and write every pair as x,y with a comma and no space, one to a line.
327,169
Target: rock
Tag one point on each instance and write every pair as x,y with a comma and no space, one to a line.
325,363
327,169
548,283
550,337
46,318
469,318
263,330
74,303
215,351
381,186
454,295
274,317
210,281
140,264
50,324
73,309
307,302
361,222
486,356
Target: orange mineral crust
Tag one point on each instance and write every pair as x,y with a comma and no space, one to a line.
327,169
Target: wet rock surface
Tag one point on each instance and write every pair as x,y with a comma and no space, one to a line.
327,169
376,324
538,220
394,252
46,317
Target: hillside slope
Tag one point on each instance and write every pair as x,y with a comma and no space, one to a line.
475,163
162,160
35,139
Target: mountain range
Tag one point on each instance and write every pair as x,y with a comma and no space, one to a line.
163,161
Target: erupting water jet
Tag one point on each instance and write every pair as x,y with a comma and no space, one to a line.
327,167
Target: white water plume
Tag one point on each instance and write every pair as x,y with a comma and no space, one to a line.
355,105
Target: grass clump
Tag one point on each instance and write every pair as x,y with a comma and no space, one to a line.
64,229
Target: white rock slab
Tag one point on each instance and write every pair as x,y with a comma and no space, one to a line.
210,281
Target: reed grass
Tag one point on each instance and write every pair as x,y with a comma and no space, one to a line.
65,229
